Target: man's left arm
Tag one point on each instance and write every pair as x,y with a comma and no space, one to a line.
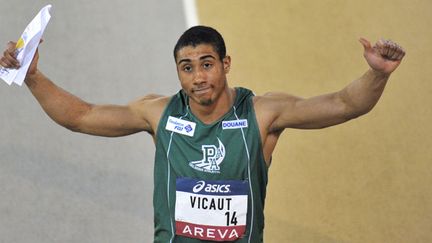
356,99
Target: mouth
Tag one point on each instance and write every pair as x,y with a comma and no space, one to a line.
201,90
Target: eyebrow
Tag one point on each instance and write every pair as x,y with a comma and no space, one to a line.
201,58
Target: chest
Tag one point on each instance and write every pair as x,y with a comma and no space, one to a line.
215,151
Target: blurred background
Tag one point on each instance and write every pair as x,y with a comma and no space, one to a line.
59,186
367,180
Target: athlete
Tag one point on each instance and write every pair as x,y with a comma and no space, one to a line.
213,143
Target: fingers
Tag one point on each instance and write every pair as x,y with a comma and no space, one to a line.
399,52
390,50
8,60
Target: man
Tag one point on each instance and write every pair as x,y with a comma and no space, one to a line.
213,143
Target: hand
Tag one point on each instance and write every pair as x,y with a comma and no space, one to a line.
384,57
8,60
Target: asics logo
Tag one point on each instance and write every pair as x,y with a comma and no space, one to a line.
201,185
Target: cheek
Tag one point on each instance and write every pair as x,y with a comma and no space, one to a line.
186,86
184,79
218,79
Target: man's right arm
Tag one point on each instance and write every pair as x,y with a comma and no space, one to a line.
77,115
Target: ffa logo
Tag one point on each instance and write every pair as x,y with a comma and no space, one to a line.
212,158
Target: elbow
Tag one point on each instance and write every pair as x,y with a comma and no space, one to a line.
353,112
354,108
74,120
72,127
69,124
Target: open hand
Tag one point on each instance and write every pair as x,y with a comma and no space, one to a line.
385,56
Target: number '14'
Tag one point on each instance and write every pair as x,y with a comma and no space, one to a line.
231,219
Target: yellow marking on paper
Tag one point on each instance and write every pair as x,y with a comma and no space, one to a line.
20,43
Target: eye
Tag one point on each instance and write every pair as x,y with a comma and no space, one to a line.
207,65
187,68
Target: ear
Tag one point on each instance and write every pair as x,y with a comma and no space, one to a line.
226,63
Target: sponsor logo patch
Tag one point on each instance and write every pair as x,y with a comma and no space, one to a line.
235,124
180,126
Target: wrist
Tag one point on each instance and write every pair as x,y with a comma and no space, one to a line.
32,77
378,74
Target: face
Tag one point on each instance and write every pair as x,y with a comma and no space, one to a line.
202,74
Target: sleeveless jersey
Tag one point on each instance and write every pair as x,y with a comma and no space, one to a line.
209,179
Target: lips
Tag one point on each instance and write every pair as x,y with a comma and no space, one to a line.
201,90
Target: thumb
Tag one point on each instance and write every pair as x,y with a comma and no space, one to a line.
366,44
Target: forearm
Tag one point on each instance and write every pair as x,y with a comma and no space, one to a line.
63,107
362,94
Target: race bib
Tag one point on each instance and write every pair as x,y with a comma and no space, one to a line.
211,210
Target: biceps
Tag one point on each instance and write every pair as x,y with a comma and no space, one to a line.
110,121
313,113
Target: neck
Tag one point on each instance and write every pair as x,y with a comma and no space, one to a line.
211,113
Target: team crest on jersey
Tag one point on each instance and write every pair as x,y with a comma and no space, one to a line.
212,158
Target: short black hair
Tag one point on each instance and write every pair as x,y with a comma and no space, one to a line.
201,35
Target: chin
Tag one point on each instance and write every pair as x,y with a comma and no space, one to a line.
206,102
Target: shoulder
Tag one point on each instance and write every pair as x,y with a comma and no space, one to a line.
153,102
271,106
150,99
274,100
150,108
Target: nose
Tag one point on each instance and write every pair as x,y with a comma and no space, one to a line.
199,76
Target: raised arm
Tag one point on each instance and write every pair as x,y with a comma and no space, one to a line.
77,115
358,98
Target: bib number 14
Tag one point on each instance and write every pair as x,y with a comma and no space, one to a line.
231,219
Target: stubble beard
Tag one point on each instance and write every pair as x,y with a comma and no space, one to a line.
206,102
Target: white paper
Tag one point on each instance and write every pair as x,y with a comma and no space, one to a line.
26,47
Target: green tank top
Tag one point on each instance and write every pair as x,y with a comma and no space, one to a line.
209,179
